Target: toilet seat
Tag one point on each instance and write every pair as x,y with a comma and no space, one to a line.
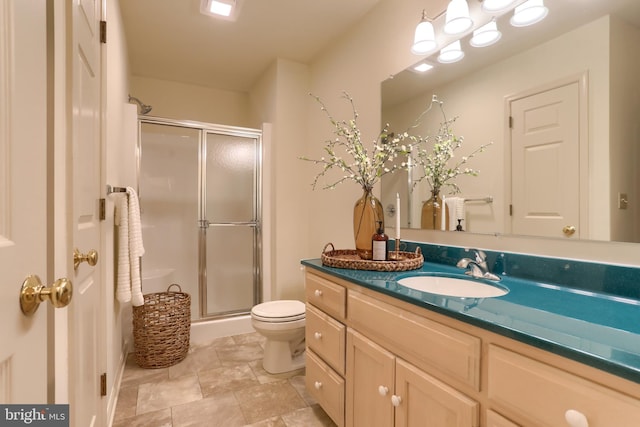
279,311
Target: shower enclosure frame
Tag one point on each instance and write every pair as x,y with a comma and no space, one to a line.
203,224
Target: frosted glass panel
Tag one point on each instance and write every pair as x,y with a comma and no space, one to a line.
230,269
231,178
168,187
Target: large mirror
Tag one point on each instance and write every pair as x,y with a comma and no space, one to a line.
577,70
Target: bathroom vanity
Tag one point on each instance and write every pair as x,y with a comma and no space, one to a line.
380,354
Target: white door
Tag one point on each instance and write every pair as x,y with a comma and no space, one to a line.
86,324
23,197
545,163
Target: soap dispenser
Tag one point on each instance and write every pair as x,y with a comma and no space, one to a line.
379,242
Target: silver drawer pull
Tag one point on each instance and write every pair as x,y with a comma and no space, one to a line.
318,293
317,335
317,385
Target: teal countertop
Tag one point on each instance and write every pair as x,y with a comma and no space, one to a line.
598,329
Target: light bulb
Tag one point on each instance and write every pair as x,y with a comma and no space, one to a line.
529,13
486,35
457,19
451,53
424,40
493,6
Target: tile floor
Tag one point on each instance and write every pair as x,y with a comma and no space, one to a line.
218,384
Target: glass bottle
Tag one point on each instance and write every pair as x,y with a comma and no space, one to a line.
379,243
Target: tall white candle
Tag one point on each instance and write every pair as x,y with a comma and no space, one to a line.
443,220
397,215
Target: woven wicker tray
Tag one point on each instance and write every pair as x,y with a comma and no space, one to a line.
349,259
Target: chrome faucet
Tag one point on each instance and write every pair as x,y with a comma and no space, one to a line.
477,267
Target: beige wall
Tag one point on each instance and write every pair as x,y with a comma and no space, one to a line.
280,98
371,51
625,130
183,101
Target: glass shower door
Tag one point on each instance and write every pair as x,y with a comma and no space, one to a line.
230,221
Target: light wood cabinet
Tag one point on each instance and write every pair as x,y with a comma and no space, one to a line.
447,352
384,390
325,386
541,395
496,420
374,360
326,337
371,383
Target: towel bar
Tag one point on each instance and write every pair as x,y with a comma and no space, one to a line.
111,189
488,199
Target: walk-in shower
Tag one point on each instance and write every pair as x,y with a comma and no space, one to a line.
200,200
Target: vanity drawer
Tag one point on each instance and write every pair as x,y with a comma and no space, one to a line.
325,295
496,420
326,337
542,394
326,387
433,347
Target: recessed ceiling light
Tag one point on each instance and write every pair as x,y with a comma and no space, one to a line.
220,8
224,9
423,67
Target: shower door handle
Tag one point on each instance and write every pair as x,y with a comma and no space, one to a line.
206,223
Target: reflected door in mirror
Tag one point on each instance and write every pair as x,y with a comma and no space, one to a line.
545,163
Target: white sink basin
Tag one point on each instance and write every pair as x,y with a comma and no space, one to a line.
453,286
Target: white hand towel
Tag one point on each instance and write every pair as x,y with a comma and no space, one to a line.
136,248
123,286
456,211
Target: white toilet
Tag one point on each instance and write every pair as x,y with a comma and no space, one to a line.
282,324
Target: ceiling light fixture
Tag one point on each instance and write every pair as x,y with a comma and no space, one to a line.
451,53
223,9
528,13
457,19
486,35
495,6
424,40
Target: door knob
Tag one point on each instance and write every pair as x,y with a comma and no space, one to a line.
568,230
91,258
33,293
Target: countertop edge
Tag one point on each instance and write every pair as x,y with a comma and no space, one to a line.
592,360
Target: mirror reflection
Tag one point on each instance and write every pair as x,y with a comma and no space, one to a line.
559,101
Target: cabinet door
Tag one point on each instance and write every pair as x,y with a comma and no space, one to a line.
496,420
542,395
424,401
370,380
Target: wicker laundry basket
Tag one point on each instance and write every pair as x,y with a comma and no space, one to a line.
162,328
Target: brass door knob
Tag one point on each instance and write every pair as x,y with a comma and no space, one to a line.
91,258
568,230
33,293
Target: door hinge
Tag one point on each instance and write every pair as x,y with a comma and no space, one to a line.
103,31
510,122
510,210
102,209
103,384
